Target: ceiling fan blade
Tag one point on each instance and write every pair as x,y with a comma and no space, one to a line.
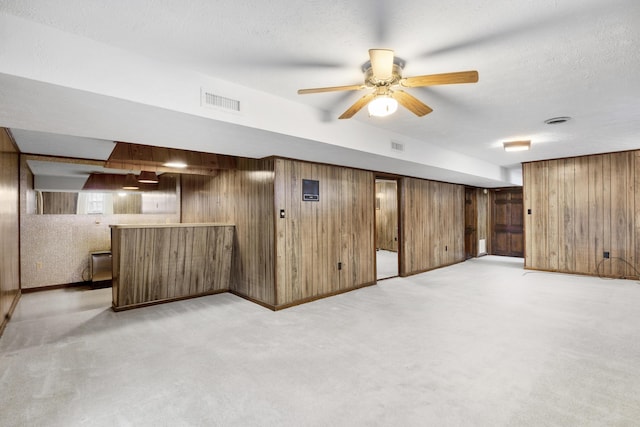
330,89
357,106
440,79
411,103
381,63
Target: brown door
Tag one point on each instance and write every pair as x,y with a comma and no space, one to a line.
507,237
470,223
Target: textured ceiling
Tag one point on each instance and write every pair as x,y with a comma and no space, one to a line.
536,60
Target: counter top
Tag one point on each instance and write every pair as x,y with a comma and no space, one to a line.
172,225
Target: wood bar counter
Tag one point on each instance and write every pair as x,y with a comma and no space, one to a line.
166,262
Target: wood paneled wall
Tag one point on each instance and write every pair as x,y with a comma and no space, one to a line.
158,263
315,239
9,228
57,203
243,197
432,218
387,215
580,208
129,204
163,196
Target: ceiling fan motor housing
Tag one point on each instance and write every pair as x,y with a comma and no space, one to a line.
371,80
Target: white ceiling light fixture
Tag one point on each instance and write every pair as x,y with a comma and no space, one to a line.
516,145
382,106
175,164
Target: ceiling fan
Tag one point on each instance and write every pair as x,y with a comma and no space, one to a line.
383,74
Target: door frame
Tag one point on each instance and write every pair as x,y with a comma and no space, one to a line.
492,224
471,252
400,232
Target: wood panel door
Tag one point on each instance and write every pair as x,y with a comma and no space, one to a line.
507,237
470,223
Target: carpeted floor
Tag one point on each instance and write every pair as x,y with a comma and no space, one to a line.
481,343
386,264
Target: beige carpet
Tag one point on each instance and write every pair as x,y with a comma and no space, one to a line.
386,264
481,343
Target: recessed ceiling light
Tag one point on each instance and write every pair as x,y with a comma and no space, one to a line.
516,145
180,165
557,120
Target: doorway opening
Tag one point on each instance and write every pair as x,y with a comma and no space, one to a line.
386,214
470,223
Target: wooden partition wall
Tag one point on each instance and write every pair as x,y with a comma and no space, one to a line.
9,228
581,208
289,251
243,197
327,246
432,218
318,249
387,215
156,263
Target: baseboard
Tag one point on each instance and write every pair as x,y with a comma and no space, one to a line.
318,297
164,301
413,273
602,276
302,301
54,287
253,300
7,317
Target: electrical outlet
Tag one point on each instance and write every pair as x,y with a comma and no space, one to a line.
38,265
606,255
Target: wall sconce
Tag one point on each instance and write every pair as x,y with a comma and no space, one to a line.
516,145
148,177
130,182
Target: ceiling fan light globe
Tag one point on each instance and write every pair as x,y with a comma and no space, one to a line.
382,106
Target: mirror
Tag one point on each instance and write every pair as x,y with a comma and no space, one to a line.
107,203
58,186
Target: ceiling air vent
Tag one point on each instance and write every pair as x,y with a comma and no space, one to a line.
396,146
211,100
